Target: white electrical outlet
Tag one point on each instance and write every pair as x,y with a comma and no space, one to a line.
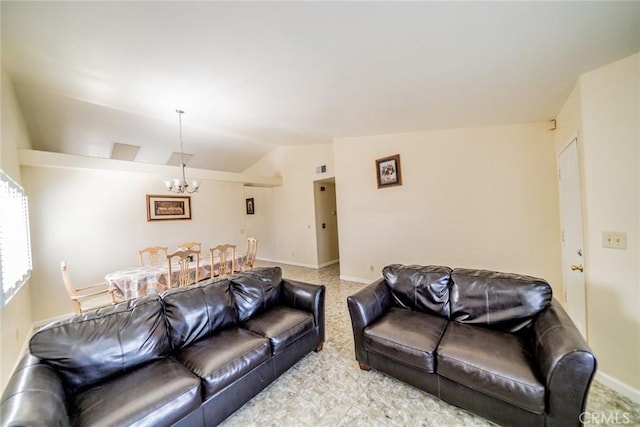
614,240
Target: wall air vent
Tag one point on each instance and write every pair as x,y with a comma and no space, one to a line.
321,169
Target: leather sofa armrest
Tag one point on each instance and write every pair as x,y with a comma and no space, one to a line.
307,297
34,396
365,306
566,363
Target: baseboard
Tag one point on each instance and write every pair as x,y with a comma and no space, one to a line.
327,264
296,264
618,386
355,279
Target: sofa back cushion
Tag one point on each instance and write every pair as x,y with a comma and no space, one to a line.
256,290
100,344
420,288
193,312
502,301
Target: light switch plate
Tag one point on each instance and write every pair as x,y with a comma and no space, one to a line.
614,240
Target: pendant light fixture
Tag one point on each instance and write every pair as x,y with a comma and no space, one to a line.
178,185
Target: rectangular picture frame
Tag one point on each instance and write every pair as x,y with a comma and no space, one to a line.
250,206
388,171
168,208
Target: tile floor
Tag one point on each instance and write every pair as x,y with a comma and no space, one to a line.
328,388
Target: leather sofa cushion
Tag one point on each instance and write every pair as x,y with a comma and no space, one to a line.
224,357
94,346
420,288
159,393
256,290
193,312
503,301
409,337
281,325
493,362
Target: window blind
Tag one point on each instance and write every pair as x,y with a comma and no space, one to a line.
15,239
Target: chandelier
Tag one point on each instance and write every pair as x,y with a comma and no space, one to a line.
178,185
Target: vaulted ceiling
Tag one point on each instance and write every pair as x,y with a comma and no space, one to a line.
252,76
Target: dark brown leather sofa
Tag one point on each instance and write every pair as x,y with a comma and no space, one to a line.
496,344
189,357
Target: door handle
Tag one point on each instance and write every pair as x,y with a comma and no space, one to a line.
578,267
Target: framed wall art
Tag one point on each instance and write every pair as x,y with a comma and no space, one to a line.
388,171
250,206
163,208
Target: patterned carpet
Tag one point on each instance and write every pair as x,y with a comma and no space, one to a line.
328,388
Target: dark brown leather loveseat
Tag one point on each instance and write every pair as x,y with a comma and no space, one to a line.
496,344
188,357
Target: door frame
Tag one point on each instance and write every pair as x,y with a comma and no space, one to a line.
566,262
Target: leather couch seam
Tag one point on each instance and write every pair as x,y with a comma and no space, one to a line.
254,350
489,372
496,396
403,345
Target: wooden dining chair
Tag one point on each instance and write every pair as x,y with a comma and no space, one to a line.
252,250
186,261
154,254
193,246
226,256
87,297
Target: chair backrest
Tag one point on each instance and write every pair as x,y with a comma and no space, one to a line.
185,262
154,254
78,294
252,250
71,290
192,246
225,257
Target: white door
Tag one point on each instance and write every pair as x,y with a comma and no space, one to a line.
572,249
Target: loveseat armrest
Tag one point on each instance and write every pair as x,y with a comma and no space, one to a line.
365,306
566,363
34,396
307,297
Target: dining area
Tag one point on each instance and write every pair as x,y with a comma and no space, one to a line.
159,269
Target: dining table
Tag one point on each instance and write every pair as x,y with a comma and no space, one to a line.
142,280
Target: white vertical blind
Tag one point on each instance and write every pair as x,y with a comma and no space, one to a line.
15,240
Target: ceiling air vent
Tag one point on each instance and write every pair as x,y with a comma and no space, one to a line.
124,151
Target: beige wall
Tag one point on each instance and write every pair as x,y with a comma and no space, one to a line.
96,221
284,222
15,317
605,110
481,197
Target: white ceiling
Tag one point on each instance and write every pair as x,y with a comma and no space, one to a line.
252,76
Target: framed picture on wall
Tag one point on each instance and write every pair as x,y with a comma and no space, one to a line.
163,208
388,171
250,206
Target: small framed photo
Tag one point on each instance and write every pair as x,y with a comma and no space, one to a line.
250,206
163,208
388,171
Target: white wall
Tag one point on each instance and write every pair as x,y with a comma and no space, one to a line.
96,221
15,317
482,197
605,110
284,222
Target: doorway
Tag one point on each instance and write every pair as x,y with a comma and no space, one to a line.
572,239
324,193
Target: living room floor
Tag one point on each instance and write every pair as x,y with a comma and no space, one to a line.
328,388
